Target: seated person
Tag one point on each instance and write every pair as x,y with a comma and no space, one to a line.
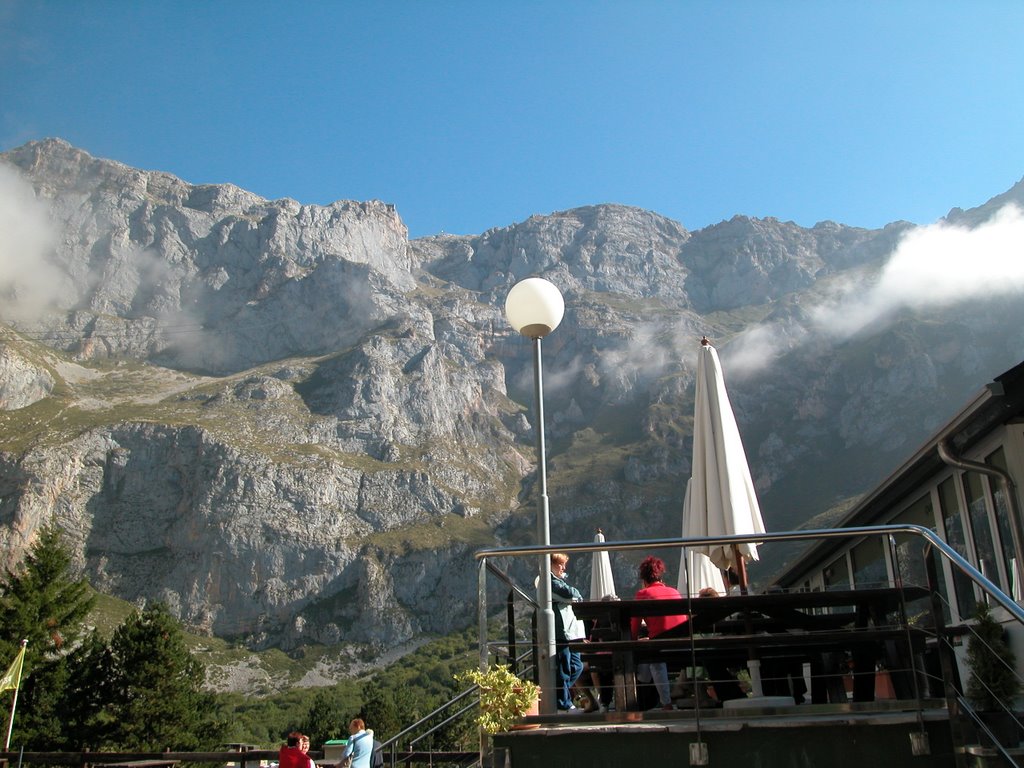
651,571
723,682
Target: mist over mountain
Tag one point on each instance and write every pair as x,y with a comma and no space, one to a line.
293,424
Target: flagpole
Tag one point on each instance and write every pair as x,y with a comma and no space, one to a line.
14,701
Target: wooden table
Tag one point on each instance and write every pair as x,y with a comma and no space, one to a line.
776,626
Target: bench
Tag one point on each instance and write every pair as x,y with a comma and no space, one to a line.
866,647
781,629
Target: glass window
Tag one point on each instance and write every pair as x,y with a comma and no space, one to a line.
997,459
910,549
981,530
869,564
837,574
952,522
910,562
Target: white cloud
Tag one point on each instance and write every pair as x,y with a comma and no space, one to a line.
28,281
757,347
932,266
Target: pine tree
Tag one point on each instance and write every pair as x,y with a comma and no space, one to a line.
156,697
993,682
381,710
328,717
41,602
88,720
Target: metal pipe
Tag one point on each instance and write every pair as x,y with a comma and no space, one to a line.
1009,489
546,620
481,612
818,533
511,584
482,627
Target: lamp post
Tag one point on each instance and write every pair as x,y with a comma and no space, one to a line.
534,307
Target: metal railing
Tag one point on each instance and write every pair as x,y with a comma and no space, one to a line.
391,747
961,710
933,547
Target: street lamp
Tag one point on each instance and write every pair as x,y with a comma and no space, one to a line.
534,307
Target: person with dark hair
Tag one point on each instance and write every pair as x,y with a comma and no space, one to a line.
291,754
652,569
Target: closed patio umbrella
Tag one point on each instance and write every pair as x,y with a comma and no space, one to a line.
602,583
696,571
721,493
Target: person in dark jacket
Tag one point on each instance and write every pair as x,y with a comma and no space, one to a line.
567,627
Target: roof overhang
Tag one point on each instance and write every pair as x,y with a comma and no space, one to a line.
1000,402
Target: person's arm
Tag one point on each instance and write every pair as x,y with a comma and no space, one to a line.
561,592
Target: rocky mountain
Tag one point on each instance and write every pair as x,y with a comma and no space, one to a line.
293,424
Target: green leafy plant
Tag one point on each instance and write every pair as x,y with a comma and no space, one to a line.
993,683
504,698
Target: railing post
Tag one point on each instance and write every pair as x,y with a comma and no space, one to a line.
947,658
510,618
485,755
481,598
534,644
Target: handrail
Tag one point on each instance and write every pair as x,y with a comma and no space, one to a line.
511,584
819,533
391,744
932,543
979,723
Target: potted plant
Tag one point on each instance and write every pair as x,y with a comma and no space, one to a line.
993,684
504,698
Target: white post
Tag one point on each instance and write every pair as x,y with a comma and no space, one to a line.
14,701
754,665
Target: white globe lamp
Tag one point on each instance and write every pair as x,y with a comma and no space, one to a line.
534,307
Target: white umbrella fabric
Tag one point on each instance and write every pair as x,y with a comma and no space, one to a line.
602,583
696,571
721,492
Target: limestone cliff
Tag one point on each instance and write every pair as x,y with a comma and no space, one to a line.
292,424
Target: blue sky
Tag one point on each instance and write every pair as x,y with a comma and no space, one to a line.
472,115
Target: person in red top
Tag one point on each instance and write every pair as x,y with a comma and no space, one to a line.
652,569
291,754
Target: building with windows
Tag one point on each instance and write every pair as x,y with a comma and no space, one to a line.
963,483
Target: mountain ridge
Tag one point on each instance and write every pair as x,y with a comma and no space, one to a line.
293,425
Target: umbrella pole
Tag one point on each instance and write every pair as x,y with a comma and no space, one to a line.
741,568
753,662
